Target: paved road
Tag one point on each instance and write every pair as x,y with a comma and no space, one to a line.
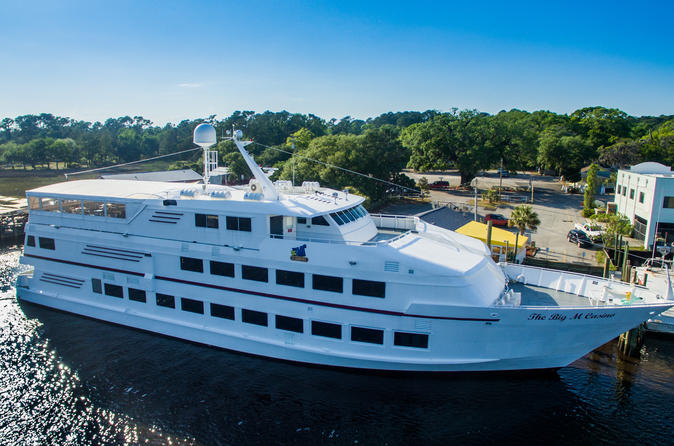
556,210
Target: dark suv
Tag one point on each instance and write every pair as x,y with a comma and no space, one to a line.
579,238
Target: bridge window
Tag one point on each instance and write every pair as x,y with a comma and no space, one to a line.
50,204
47,243
115,210
96,208
72,206
239,223
34,203
319,221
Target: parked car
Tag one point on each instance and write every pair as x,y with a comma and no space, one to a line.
579,237
439,185
502,172
592,230
496,219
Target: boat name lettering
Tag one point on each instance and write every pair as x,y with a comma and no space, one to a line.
562,317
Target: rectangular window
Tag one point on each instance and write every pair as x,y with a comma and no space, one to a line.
114,290
239,224
115,210
327,283
96,208
624,191
369,288
71,206
416,340
319,221
289,323
34,203
96,286
222,311
191,305
631,194
641,197
30,240
222,268
47,243
254,273
326,329
369,335
50,204
254,317
668,202
290,278
206,221
137,295
191,264
301,220
164,300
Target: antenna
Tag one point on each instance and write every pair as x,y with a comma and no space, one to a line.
268,190
205,136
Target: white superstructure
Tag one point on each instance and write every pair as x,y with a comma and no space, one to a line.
307,274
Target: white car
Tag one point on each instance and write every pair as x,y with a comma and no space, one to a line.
593,230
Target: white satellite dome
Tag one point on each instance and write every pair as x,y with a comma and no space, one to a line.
205,135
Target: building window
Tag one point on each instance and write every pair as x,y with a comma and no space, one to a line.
164,300
30,240
327,283
624,191
289,323
369,335
641,197
416,340
319,221
114,290
631,194
668,203
254,317
206,221
222,311
137,295
254,273
326,329
47,243
191,305
239,224
191,264
369,288
290,278
96,286
222,268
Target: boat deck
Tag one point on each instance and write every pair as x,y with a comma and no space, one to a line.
546,297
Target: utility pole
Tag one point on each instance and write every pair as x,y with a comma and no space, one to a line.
531,180
475,210
500,180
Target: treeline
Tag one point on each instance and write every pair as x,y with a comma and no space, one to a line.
467,140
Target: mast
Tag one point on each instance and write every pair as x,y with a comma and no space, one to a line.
268,190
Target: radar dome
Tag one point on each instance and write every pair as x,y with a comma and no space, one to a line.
204,135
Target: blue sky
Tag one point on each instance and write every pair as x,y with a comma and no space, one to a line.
168,60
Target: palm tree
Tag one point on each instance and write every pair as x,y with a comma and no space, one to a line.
524,217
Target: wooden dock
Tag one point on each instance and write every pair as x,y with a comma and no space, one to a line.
13,218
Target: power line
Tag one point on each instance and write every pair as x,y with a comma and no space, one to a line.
132,162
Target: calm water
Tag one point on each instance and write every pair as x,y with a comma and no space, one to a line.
68,380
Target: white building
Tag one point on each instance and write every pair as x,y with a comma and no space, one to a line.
645,195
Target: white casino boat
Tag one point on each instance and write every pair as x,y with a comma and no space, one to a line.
306,274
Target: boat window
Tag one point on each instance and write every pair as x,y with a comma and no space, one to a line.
354,215
72,206
239,223
191,264
222,311
369,335
319,221
254,273
47,243
50,204
165,300
301,220
289,323
222,268
254,317
30,240
206,221
114,290
327,283
369,288
346,215
96,286
93,208
290,278
33,203
405,339
137,295
337,218
326,329
191,305
115,210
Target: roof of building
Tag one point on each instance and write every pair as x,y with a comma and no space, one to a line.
499,237
651,168
170,176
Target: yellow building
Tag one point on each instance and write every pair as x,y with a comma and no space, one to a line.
501,240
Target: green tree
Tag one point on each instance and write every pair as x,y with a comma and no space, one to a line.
524,217
592,184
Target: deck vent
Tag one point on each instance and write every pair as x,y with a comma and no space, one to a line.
61,280
391,266
113,253
166,217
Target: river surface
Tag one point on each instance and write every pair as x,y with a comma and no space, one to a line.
66,380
